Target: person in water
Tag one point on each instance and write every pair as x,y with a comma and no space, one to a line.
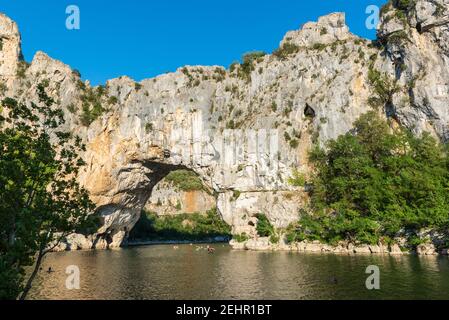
210,250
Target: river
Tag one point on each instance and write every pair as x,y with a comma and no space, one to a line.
163,272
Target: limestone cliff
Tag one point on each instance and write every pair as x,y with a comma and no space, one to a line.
168,199
245,129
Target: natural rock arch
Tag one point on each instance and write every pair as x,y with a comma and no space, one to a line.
125,162
181,118
125,216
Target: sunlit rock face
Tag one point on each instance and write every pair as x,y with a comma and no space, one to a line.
244,133
10,45
167,199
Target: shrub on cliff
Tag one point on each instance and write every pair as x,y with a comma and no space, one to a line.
286,50
264,228
248,64
374,182
185,180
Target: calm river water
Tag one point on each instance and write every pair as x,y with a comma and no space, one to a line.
161,272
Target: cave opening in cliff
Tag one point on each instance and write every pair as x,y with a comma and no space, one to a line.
180,208
309,112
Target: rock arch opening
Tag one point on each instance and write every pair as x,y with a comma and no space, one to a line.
171,203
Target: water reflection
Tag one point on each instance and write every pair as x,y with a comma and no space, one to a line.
160,272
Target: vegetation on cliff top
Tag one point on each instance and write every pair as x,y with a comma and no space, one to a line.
185,180
374,184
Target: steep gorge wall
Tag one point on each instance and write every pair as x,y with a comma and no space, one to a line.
243,130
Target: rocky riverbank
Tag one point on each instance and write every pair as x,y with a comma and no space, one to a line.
174,242
264,244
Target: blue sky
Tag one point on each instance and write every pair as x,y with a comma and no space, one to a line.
143,38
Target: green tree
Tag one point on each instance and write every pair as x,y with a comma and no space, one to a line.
374,182
40,199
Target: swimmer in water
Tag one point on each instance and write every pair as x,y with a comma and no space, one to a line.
210,250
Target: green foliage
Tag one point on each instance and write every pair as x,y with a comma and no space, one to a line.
90,114
230,124
264,227
248,64
148,127
398,38
384,88
40,199
92,107
294,143
275,238
298,179
233,66
240,237
112,100
319,46
236,194
71,108
404,5
22,67
3,88
374,182
286,50
185,180
185,227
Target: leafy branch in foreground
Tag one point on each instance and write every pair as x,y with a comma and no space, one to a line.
40,200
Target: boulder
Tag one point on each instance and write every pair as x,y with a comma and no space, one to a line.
395,250
365,249
427,249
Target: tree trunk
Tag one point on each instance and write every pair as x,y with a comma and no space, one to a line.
33,276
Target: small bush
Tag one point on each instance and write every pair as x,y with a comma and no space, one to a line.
286,50
148,127
294,143
240,237
89,115
298,179
236,194
3,88
21,69
247,66
112,100
319,46
71,108
264,227
92,107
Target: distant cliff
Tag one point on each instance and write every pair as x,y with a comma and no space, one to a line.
246,129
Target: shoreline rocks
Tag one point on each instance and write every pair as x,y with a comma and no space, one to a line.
263,244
